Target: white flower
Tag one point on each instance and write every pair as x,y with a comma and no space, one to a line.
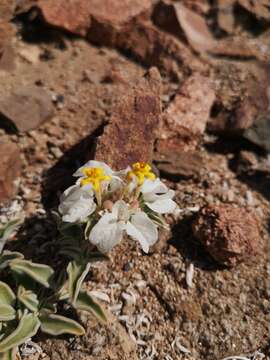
110,228
103,174
76,204
158,197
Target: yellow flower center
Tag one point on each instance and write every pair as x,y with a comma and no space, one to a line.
141,170
94,176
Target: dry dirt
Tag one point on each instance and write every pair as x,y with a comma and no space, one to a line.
153,313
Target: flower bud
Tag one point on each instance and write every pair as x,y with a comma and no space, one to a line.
108,205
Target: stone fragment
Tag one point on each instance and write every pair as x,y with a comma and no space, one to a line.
245,96
6,32
157,48
185,119
26,108
6,9
259,132
71,15
130,134
230,235
179,164
225,16
10,168
181,20
259,8
101,19
124,25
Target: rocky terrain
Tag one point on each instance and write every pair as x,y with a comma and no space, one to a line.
184,85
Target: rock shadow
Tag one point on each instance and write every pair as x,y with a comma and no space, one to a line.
59,177
190,248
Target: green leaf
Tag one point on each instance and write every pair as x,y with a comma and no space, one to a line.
7,313
71,231
28,298
11,354
96,256
56,325
7,230
28,327
77,272
39,272
73,252
7,296
7,256
86,303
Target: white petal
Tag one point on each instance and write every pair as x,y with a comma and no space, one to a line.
154,186
152,190
162,206
141,228
106,233
76,204
115,184
94,164
120,211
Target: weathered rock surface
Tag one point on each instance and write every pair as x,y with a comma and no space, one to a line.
180,164
231,235
185,119
129,136
26,108
259,7
10,168
259,132
6,9
101,19
244,97
183,22
124,25
7,61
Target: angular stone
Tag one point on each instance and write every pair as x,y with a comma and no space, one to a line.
225,16
6,9
156,48
185,119
10,168
6,32
184,22
26,108
259,8
259,132
124,25
129,136
179,164
231,235
71,15
250,86
99,18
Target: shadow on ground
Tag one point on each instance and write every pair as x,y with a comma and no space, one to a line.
190,248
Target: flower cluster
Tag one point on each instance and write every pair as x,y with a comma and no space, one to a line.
111,204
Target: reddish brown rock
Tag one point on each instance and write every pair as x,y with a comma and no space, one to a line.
260,8
71,15
27,108
179,164
101,19
156,48
184,22
10,168
249,90
6,32
124,25
225,16
185,119
231,235
130,134
6,9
